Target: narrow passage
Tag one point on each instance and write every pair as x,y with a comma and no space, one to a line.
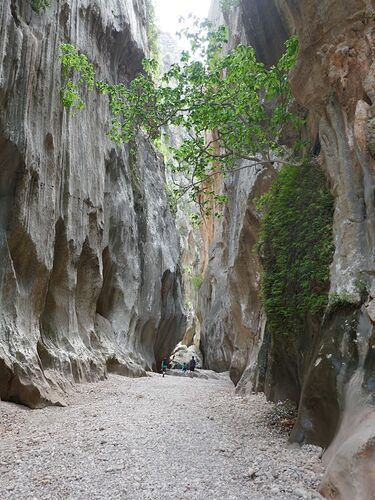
152,438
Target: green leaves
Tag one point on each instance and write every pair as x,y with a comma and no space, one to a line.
39,5
77,71
230,106
296,247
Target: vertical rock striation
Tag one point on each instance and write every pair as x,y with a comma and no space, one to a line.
170,53
233,320
90,277
334,81
332,377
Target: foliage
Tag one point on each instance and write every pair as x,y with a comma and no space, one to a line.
230,94
296,247
344,300
77,71
246,104
172,198
39,5
196,280
263,201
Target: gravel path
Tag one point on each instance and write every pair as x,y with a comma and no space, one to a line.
152,438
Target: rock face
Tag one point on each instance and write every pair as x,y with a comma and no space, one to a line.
350,457
334,82
190,241
233,320
232,316
90,277
170,51
183,354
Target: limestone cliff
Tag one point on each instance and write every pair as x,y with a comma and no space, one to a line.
334,80
233,320
90,277
170,53
329,372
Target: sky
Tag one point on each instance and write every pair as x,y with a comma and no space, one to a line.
168,12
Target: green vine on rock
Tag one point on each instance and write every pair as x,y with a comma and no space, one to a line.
296,247
39,5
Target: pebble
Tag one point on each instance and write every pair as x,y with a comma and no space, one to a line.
171,437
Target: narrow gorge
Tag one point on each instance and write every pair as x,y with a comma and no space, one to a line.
266,274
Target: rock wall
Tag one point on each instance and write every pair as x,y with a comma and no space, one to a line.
90,277
233,320
232,315
334,80
334,83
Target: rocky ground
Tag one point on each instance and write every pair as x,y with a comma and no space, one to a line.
152,438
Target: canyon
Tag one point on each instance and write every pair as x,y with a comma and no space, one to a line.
97,269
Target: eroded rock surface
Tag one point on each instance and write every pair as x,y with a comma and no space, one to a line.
90,277
232,316
350,457
233,320
334,81
334,84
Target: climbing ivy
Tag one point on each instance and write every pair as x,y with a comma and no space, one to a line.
39,5
296,247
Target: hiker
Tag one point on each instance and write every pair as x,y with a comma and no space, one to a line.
164,366
184,368
192,364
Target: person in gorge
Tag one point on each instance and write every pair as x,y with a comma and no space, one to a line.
164,366
192,364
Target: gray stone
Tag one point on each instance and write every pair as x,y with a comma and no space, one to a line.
183,354
333,82
90,280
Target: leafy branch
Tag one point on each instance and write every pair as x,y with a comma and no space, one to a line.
77,71
230,105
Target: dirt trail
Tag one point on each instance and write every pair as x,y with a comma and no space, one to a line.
151,438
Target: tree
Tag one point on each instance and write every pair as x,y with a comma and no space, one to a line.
246,104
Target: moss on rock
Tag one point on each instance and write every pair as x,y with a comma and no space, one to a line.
296,247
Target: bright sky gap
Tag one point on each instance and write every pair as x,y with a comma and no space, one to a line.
168,12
